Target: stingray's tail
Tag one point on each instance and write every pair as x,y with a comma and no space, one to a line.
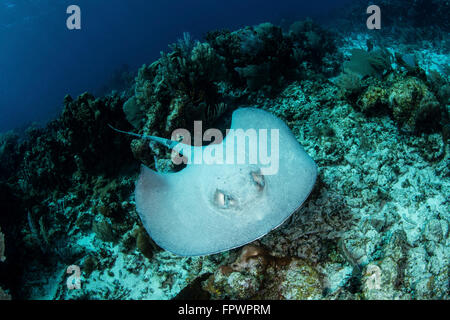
165,142
129,133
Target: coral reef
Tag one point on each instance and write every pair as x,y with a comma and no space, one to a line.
176,89
264,56
376,226
369,82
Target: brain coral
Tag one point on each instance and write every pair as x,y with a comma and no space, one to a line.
374,97
414,106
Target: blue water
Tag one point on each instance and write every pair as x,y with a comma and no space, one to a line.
41,60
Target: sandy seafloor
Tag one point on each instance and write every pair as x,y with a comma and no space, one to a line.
384,193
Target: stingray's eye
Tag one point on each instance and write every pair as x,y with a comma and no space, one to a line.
258,179
224,200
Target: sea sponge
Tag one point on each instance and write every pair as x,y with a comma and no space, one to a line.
414,106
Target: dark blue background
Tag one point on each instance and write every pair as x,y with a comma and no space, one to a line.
41,61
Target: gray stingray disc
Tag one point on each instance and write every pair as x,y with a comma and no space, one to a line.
210,208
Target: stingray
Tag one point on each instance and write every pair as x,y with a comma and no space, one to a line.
208,208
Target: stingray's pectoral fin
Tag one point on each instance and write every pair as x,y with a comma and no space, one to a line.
148,179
